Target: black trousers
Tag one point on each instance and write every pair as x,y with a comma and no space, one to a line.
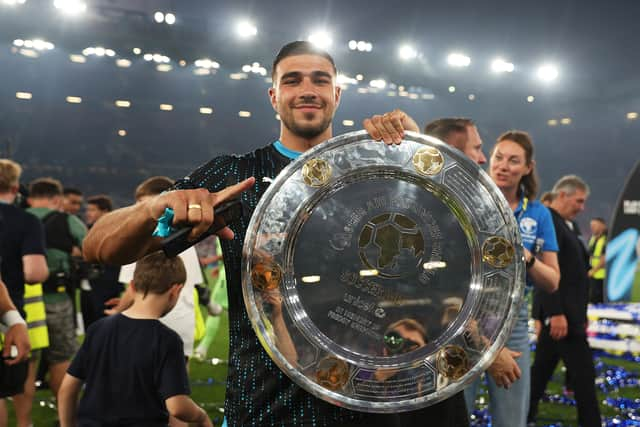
575,353
596,290
451,412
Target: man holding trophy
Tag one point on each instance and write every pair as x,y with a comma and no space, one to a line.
305,95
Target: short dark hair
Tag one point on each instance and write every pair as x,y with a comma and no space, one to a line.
102,201
444,127
300,47
599,219
155,273
153,186
45,188
71,190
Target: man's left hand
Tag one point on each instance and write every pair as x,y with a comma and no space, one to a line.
390,127
19,336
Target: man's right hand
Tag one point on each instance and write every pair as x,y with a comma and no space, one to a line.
195,207
559,327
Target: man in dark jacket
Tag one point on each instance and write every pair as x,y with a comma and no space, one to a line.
564,312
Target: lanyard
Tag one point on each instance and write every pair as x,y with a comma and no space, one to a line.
525,205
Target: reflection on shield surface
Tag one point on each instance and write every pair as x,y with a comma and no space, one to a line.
398,271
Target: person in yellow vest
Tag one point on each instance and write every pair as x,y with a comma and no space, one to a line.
597,246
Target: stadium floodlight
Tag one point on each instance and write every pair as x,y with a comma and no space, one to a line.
78,59
364,46
12,2
499,65
348,123
100,51
70,7
206,63
123,63
246,29
170,18
458,60
158,17
137,51
321,39
632,115
353,45
166,107
24,95
122,132
206,110
548,73
74,99
344,79
452,89
378,83
407,52
530,99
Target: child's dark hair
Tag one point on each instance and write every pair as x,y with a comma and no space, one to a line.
156,273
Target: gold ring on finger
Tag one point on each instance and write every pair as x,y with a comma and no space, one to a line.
195,206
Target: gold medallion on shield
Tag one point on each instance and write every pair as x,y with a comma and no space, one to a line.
428,160
316,172
498,252
452,362
332,373
266,275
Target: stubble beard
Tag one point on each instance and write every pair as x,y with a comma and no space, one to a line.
308,131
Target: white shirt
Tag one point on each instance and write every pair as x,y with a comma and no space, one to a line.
182,317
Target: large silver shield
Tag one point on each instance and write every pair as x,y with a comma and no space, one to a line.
382,278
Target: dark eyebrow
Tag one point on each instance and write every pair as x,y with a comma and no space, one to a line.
298,74
291,74
321,74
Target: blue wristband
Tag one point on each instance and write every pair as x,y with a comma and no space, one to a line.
164,228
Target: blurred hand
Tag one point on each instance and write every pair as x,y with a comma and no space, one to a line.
505,370
538,327
390,126
215,272
559,327
112,303
19,336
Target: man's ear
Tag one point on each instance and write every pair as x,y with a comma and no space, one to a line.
338,95
272,98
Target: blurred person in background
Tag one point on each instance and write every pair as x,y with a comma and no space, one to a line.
72,201
564,313
23,268
597,260
98,282
64,234
512,168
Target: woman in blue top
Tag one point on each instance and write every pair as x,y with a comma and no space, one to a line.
513,169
